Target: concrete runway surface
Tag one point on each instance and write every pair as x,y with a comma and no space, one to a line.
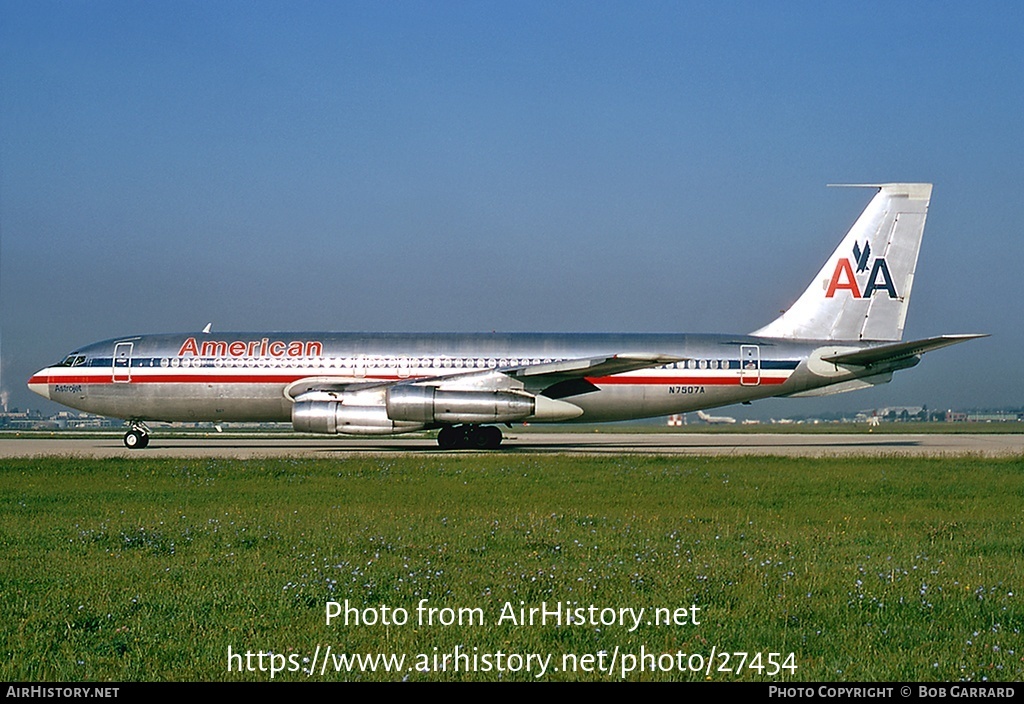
786,444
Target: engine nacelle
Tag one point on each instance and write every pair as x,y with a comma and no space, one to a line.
428,404
333,417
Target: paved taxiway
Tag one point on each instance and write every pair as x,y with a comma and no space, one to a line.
796,445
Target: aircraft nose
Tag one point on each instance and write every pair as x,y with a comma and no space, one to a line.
40,383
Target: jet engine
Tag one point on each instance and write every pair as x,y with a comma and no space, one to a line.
333,417
429,404
407,408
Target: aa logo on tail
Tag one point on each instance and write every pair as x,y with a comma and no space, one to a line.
843,278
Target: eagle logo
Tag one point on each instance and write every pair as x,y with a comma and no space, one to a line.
861,257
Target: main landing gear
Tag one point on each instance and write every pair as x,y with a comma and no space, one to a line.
476,437
137,437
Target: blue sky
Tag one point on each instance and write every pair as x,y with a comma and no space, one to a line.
590,166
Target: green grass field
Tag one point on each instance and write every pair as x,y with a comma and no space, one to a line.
865,569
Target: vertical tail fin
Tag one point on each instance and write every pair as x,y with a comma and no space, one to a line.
863,291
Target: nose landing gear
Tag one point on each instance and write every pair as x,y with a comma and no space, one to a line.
137,437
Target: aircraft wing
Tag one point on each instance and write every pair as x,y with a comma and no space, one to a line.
568,377
557,379
328,384
898,351
592,366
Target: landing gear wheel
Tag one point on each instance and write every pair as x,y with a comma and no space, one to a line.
492,436
135,439
477,437
448,438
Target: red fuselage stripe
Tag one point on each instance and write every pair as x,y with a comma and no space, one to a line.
683,380
287,379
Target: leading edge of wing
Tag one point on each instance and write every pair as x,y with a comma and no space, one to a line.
591,366
900,350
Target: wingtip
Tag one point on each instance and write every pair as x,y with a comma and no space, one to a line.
967,335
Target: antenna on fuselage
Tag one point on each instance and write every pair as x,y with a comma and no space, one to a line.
208,327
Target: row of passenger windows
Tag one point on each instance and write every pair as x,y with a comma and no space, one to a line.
368,363
400,362
701,364
350,363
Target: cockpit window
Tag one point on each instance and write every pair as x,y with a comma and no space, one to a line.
73,360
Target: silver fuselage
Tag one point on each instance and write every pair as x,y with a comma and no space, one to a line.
250,376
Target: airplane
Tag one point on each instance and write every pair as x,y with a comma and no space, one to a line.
843,333
715,420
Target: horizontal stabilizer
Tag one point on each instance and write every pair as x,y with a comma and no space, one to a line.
844,386
898,351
